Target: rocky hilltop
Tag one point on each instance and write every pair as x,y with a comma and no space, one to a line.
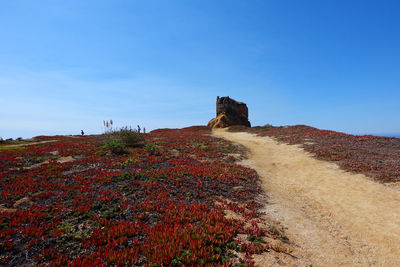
229,112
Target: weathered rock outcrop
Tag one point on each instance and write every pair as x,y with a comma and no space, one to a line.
230,112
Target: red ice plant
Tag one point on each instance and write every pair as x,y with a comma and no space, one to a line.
140,208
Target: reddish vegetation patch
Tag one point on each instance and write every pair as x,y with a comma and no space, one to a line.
378,157
153,206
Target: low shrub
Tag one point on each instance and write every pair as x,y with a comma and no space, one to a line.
115,147
117,140
152,148
127,136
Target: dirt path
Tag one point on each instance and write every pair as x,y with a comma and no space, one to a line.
31,144
334,218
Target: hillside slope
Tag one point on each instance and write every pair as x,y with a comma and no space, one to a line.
177,199
337,218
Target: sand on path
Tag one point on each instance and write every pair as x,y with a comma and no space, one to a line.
31,144
334,218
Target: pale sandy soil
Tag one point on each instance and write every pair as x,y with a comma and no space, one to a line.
334,218
30,144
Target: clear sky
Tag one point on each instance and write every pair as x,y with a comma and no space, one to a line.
69,65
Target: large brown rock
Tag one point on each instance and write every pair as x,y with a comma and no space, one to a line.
230,112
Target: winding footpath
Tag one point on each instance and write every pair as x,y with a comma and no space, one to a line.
334,218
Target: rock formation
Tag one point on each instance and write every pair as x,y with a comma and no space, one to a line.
230,112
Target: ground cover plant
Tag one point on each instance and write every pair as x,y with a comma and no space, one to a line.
68,201
377,157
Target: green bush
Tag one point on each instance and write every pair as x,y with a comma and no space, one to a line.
152,148
115,147
127,136
116,140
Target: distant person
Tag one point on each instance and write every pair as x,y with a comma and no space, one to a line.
138,129
144,130
82,133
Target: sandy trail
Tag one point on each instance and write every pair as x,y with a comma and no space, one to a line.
31,144
334,218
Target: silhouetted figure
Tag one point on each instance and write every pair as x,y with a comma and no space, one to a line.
138,129
144,130
82,133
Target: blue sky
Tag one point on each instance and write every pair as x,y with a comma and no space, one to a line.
69,65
